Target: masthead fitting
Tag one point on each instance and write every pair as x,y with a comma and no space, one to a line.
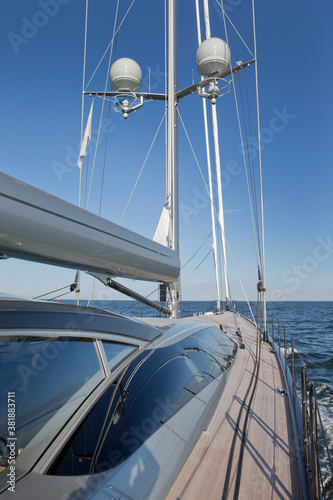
125,74
213,56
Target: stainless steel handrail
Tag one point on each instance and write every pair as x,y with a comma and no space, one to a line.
309,421
305,416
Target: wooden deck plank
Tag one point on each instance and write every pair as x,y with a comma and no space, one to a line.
269,464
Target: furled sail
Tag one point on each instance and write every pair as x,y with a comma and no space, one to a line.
162,232
37,226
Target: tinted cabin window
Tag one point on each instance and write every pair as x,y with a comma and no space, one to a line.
151,390
50,378
209,366
216,342
115,353
156,386
44,373
211,350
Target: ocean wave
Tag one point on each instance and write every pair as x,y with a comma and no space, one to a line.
289,351
328,486
324,390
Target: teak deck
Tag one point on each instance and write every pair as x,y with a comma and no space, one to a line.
270,467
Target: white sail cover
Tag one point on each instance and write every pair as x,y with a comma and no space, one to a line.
163,228
37,226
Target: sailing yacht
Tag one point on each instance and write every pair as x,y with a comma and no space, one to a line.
97,405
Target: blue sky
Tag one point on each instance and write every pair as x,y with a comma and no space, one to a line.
41,68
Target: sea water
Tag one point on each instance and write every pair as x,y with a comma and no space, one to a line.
309,324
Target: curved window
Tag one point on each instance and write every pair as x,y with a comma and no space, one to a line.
47,379
217,343
115,353
149,391
156,385
208,365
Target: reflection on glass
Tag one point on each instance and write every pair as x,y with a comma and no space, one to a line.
48,379
156,385
115,353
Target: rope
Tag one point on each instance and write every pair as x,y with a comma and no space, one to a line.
143,166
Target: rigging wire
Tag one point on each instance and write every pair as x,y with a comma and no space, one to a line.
61,295
260,166
217,166
208,148
195,253
234,27
83,83
82,115
87,172
53,291
93,292
248,137
103,173
111,42
201,262
242,144
167,194
143,166
205,184
101,117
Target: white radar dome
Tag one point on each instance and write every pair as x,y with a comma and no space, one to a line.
125,74
212,55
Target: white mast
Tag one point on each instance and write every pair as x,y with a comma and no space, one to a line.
218,170
173,143
212,210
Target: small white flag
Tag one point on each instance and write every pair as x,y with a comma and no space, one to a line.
86,138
